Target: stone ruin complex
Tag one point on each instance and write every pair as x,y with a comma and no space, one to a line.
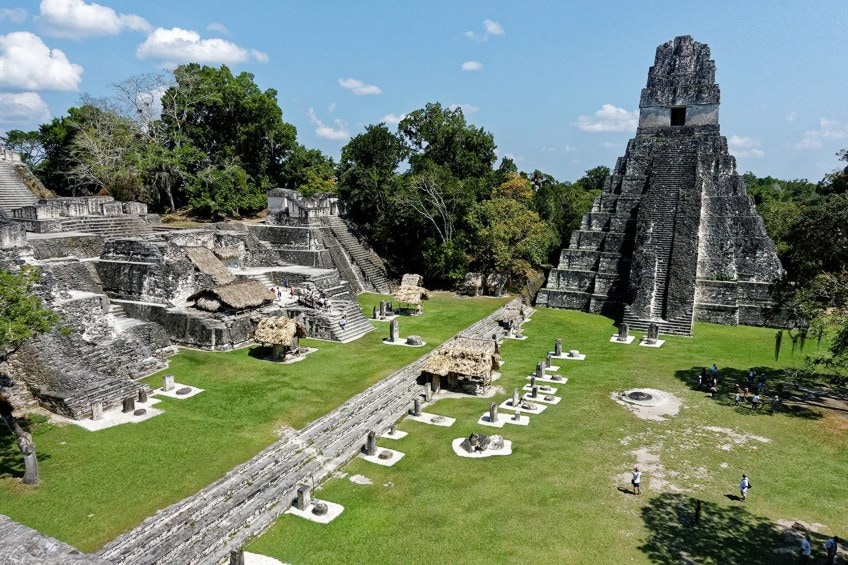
674,237
131,289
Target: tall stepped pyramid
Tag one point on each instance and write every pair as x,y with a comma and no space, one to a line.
674,237
13,192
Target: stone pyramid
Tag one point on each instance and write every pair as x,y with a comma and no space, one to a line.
674,237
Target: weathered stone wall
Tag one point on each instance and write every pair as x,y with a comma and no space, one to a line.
75,275
81,246
20,545
12,235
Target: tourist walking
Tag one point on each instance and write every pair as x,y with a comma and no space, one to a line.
736,398
744,485
806,549
636,481
755,401
831,546
714,372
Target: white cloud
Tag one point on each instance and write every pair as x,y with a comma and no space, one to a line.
570,149
609,118
609,145
337,131
219,27
176,45
828,130
493,28
75,18
472,66
392,118
490,28
744,146
358,87
26,63
21,108
331,108
791,117
466,108
14,15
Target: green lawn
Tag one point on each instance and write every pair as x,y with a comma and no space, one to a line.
561,496
95,485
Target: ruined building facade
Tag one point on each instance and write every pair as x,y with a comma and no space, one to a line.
674,237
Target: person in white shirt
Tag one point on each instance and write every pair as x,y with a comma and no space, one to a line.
744,485
636,481
806,549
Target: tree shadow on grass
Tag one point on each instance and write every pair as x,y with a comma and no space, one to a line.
722,535
778,383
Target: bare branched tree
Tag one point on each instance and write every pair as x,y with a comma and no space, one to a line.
426,197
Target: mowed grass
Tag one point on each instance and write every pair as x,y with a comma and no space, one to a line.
96,485
563,495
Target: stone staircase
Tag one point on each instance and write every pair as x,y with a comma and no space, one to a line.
221,518
357,325
13,192
369,263
673,171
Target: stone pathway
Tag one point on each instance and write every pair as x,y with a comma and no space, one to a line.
221,518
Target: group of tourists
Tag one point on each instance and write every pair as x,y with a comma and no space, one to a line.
752,393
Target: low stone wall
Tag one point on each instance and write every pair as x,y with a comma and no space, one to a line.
22,545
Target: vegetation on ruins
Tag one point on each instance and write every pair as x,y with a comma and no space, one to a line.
22,312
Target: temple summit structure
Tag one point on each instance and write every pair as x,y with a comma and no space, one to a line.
674,236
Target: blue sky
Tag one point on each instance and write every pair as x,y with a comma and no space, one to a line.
557,83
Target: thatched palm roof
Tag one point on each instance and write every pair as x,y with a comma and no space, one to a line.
464,356
411,294
239,295
207,263
412,280
278,331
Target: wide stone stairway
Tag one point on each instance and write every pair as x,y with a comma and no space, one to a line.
673,171
13,192
221,518
369,262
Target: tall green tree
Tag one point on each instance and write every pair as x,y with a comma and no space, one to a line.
367,176
441,136
230,138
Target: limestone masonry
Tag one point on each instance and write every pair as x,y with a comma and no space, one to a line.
674,237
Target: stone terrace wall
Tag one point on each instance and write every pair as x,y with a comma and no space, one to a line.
82,246
206,527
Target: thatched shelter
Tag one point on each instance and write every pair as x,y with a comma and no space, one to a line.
410,293
513,315
281,332
206,262
464,364
236,296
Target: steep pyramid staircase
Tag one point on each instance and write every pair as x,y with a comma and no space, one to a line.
13,192
370,264
673,171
